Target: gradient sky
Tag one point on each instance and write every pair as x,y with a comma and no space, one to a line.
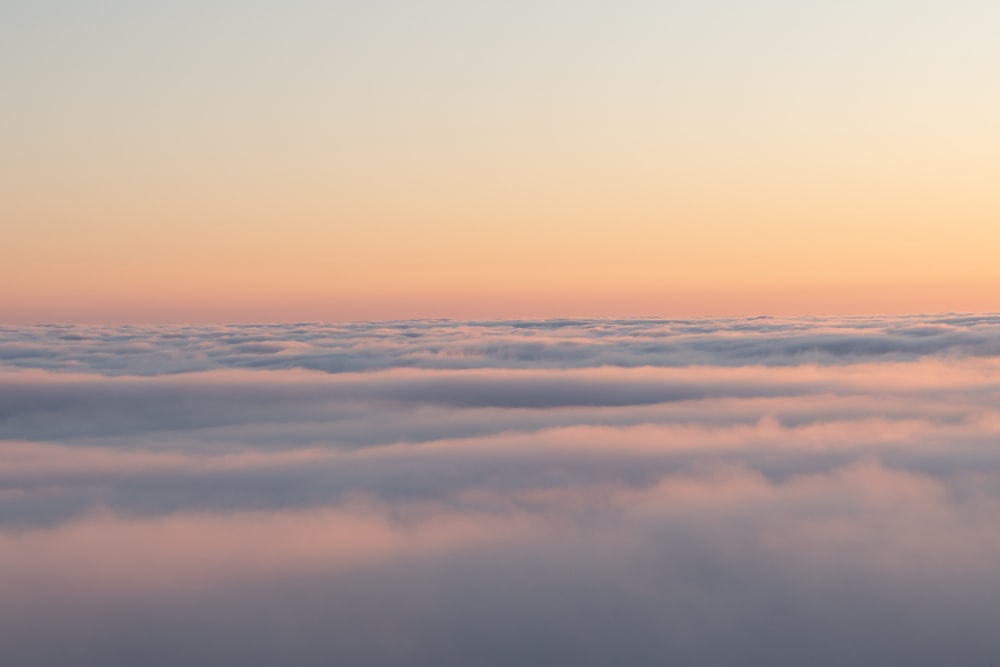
338,160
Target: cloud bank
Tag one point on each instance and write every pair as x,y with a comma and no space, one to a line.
762,491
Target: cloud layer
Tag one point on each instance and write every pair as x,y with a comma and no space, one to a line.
742,491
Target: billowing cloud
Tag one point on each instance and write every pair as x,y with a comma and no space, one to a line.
746,491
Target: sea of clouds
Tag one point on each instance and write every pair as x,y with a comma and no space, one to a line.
747,491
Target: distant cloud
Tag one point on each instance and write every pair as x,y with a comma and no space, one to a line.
437,344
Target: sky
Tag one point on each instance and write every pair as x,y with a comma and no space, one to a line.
493,333
221,161
745,491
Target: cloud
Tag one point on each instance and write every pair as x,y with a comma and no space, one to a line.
722,566
747,491
438,344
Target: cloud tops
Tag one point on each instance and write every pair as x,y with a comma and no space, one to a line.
759,491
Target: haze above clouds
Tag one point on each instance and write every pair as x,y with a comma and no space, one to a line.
214,161
760,491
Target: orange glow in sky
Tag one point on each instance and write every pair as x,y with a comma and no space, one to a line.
340,162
